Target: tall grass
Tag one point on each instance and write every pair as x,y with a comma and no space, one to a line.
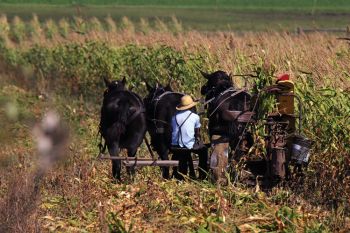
111,25
4,30
17,30
35,29
64,27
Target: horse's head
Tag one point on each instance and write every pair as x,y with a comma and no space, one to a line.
214,80
114,85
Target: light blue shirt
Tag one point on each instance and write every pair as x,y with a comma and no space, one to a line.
184,136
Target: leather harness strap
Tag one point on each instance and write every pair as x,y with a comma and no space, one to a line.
140,110
135,114
156,100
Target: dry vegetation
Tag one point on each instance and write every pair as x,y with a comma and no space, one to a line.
59,65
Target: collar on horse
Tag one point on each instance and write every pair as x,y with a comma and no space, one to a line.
155,100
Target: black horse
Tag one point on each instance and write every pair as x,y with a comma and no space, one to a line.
123,121
160,106
228,110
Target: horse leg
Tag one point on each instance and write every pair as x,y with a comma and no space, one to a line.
131,153
164,155
116,164
175,169
116,168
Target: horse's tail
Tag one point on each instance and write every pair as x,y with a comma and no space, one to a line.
121,118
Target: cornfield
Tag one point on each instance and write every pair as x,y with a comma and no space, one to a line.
71,58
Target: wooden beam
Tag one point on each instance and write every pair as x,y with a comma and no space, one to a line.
142,162
160,163
124,158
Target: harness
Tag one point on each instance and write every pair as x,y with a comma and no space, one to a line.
140,110
217,101
155,100
179,133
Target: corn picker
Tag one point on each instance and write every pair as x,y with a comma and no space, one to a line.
284,145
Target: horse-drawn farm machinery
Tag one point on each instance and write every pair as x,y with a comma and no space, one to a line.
235,119
282,145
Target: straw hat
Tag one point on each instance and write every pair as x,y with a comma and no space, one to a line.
186,103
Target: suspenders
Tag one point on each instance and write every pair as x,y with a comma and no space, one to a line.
179,133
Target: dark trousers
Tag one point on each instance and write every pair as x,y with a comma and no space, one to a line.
186,163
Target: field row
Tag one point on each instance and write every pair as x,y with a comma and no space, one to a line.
79,68
198,18
270,4
66,71
75,70
19,31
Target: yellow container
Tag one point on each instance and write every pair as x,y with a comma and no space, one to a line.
285,103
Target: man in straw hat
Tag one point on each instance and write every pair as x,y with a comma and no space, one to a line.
186,139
